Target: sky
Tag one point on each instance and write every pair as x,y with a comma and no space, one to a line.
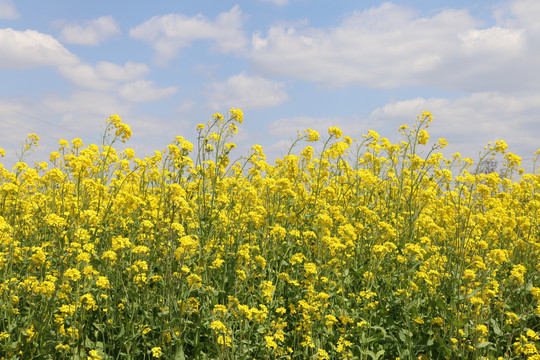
166,66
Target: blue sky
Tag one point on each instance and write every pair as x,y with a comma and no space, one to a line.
165,66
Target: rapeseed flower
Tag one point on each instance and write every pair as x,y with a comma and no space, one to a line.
335,131
292,258
156,352
93,355
312,135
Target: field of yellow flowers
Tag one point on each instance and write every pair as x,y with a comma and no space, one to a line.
342,249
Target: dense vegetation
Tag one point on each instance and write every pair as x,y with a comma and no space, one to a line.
358,249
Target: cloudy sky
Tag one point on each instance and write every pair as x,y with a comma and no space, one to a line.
165,66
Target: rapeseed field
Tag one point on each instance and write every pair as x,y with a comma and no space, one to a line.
342,249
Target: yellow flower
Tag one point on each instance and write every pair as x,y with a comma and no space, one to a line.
267,290
310,268
193,304
241,275
335,131
224,340
482,330
217,117
442,143
93,355
517,274
237,115
270,343
194,280
109,254
330,320
89,300
261,261
145,329
216,264
103,282
30,333
342,344
297,258
130,153
512,318
322,355
498,256
68,309
218,326
45,288
469,275
531,334
312,135
62,347
156,352
500,146
423,137
73,274
220,308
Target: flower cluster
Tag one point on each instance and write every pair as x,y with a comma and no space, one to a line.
340,250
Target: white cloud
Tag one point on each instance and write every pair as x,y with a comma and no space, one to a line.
29,48
14,125
524,14
287,127
92,32
277,2
85,76
185,106
129,72
125,82
246,92
391,46
8,10
468,123
169,33
471,121
80,114
495,41
85,109
144,91
104,76
54,117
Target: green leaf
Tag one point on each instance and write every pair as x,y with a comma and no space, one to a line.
371,353
121,333
88,343
405,334
381,329
496,328
180,354
483,344
261,329
402,336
